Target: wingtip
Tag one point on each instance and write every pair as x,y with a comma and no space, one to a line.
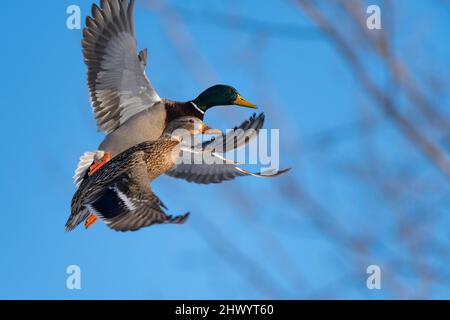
262,118
285,170
274,173
256,115
95,7
182,219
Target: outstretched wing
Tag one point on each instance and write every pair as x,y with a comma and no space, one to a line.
117,82
217,173
217,169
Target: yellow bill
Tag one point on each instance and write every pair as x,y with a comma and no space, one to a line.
244,103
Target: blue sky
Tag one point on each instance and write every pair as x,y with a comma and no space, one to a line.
48,124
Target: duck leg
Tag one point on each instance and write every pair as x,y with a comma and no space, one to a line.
90,220
92,169
99,163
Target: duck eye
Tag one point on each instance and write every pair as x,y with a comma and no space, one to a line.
191,121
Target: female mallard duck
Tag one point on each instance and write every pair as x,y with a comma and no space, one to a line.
120,193
125,104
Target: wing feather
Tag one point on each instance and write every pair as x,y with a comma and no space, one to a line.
221,169
117,82
121,196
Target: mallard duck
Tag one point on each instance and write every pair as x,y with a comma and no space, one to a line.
119,193
125,104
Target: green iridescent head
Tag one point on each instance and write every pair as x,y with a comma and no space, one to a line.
221,95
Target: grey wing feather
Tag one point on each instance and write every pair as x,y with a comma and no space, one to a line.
216,173
117,82
237,137
220,170
143,58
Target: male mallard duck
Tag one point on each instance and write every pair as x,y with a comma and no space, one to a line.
125,104
120,193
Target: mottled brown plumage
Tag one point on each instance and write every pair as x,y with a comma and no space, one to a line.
119,192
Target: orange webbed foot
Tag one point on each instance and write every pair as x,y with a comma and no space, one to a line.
100,163
90,221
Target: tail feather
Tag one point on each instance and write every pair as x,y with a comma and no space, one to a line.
86,160
76,218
